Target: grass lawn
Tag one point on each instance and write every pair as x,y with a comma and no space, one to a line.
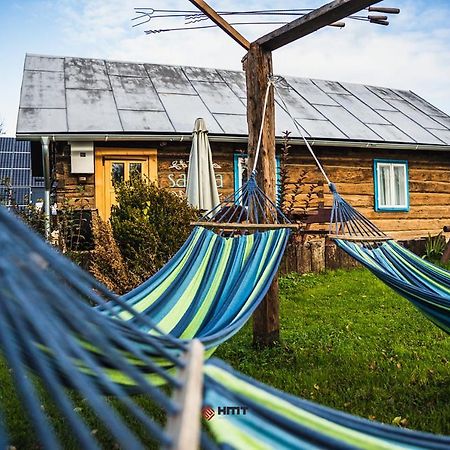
350,342
347,341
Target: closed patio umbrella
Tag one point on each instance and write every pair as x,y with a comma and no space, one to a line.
201,187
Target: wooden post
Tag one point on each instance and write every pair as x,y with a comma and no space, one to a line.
185,427
258,68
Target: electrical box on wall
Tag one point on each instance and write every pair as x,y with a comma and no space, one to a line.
82,157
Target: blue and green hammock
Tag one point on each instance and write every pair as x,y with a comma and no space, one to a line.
424,284
276,420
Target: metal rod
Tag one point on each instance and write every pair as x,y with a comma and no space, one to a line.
47,182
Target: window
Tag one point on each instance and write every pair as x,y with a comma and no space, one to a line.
391,185
241,175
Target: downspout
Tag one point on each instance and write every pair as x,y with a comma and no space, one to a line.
47,183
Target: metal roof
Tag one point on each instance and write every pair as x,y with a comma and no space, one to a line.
79,95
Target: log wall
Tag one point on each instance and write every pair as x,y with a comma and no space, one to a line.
352,172
350,169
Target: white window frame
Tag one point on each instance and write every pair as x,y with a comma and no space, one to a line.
391,164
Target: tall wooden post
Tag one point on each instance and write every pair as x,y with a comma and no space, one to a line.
258,69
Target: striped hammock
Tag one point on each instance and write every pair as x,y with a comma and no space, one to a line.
210,288
276,420
424,284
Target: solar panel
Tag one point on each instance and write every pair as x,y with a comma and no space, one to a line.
16,180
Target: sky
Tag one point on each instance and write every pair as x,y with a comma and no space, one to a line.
412,53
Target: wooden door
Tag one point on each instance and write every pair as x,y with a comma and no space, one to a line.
113,166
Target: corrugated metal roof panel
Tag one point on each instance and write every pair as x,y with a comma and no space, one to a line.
236,82
145,121
43,90
389,133
443,135
330,87
39,120
384,93
297,106
233,124
309,91
317,128
126,69
219,98
443,120
416,115
359,109
410,127
92,110
47,63
420,103
201,74
86,74
348,123
184,109
169,79
135,93
367,96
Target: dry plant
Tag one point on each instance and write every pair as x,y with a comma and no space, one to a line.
106,262
290,192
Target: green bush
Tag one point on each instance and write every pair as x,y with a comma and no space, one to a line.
149,225
435,247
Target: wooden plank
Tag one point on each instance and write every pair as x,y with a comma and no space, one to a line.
346,237
184,427
318,255
309,23
246,226
221,23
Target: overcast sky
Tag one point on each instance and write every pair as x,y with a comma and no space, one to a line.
412,53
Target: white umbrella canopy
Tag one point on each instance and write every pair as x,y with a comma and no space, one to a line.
201,187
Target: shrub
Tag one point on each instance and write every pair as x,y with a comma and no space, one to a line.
149,225
434,247
106,262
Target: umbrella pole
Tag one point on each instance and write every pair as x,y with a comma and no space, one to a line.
258,67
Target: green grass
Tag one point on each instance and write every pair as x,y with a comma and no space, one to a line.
347,341
351,343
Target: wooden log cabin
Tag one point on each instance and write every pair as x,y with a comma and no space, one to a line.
387,150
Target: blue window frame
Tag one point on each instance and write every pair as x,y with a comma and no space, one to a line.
240,172
391,181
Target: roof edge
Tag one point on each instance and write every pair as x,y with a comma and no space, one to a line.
107,137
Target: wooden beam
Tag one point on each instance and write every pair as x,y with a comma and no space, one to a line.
309,23
184,428
258,69
346,237
221,23
246,226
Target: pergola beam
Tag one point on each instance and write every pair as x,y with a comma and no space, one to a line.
315,20
222,23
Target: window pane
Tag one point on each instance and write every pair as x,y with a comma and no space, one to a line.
384,187
135,170
392,185
400,185
117,172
